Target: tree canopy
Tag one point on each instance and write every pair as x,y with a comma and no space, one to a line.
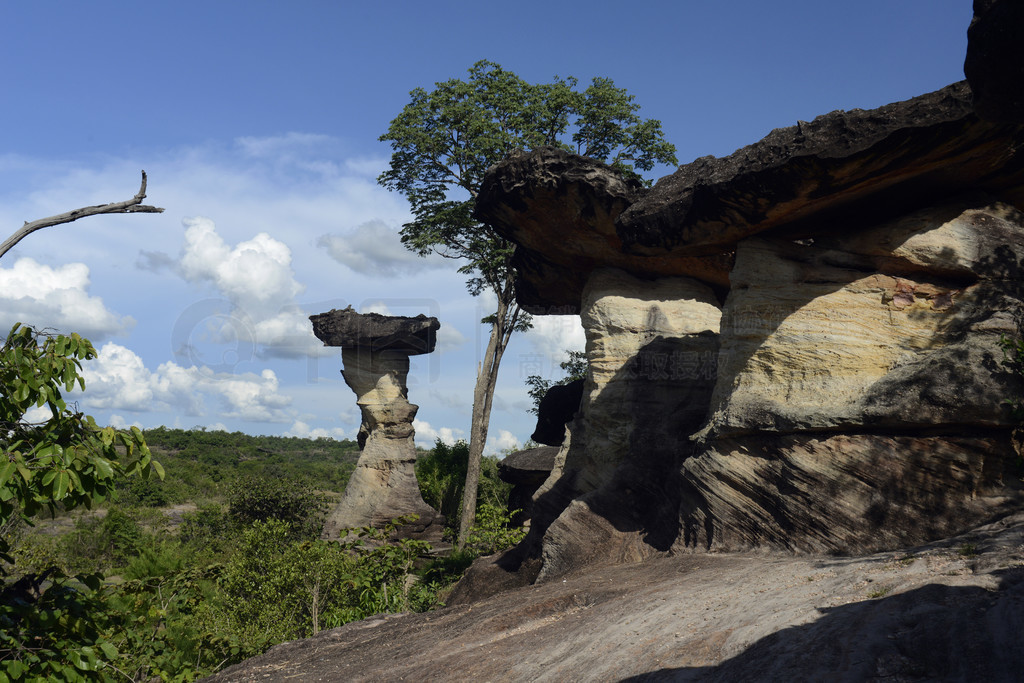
445,139
443,142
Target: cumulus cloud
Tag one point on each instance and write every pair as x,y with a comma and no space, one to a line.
303,430
426,435
375,248
118,380
449,339
256,275
256,278
57,297
502,441
552,337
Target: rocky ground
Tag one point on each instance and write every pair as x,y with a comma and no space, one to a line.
952,610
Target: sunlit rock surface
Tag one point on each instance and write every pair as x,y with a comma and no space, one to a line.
375,354
853,396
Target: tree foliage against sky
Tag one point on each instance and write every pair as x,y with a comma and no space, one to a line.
445,139
443,142
63,458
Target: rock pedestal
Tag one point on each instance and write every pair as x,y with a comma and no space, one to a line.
375,354
796,346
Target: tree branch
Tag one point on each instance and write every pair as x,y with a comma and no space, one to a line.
133,205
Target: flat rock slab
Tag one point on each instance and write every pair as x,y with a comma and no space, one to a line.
376,332
947,611
890,159
529,466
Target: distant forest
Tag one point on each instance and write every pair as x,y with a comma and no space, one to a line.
201,465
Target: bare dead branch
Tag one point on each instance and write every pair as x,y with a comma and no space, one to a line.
133,205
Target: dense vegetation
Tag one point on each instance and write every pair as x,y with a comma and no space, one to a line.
175,578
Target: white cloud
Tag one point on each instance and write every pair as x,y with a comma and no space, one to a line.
255,275
552,336
304,431
426,435
119,422
118,380
449,338
42,296
257,279
503,441
375,248
36,414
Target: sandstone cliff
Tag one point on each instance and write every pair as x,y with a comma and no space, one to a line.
796,346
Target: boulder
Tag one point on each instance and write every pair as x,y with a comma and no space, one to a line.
896,326
558,406
375,354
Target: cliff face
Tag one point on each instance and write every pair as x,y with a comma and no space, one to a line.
795,346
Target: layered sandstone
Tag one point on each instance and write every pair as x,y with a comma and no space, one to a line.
375,354
844,386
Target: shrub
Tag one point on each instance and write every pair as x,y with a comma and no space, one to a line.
493,530
265,498
441,474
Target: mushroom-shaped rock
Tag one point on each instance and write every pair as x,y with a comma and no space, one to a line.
560,209
376,332
375,354
526,471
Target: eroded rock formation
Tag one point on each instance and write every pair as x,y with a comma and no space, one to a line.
796,346
375,354
526,471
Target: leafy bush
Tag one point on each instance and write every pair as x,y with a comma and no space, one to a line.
148,492
66,460
274,498
280,589
493,530
441,474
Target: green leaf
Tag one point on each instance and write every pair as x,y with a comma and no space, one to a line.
14,668
108,649
103,467
61,488
6,472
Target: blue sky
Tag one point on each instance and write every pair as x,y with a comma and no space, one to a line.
257,123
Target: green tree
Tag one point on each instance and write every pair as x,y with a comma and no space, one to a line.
51,626
442,143
66,459
575,368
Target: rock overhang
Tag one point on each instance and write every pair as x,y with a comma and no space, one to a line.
375,332
569,214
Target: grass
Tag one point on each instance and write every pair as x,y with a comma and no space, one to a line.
967,550
880,592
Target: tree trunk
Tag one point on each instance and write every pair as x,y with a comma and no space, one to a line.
483,396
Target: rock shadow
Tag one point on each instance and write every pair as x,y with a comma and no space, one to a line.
934,633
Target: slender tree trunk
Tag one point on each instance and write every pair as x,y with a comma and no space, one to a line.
483,395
